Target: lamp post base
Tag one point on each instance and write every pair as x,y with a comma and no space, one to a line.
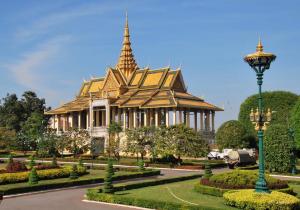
261,186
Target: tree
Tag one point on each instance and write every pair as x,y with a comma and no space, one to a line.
78,141
232,134
54,162
137,143
7,138
48,143
108,185
114,131
278,148
280,101
294,123
181,141
62,143
33,177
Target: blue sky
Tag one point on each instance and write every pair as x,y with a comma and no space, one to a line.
51,46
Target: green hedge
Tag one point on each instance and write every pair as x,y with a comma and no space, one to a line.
242,179
145,203
148,183
69,183
249,199
11,178
215,191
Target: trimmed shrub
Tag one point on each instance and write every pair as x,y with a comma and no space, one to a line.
215,191
33,177
242,179
108,186
32,162
280,101
278,148
10,158
207,172
232,134
74,172
141,165
80,161
15,166
54,162
45,166
249,199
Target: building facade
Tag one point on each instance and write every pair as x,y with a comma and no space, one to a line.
134,97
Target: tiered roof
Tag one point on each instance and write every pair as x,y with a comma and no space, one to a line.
128,86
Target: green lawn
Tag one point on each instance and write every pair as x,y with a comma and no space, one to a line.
182,190
92,175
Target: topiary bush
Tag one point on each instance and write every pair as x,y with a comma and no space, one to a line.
249,199
295,122
54,162
232,134
278,148
32,162
280,101
80,161
141,165
207,171
33,177
74,172
242,179
108,186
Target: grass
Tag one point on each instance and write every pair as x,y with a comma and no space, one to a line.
92,175
182,190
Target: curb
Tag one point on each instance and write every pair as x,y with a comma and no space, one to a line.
285,176
118,205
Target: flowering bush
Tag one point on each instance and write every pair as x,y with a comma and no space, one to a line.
249,199
10,178
15,166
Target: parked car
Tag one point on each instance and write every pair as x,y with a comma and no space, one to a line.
237,158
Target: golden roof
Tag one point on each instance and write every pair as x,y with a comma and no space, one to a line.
259,53
126,63
128,86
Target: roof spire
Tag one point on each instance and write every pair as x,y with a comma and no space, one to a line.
126,62
259,47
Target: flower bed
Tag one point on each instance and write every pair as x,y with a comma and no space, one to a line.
10,178
249,199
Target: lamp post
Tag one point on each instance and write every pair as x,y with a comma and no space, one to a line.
259,62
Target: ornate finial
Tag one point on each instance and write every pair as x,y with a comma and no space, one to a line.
259,47
126,63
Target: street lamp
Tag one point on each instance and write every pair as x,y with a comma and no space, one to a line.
259,62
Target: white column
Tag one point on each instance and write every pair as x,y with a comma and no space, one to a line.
119,115
124,118
79,120
134,118
97,118
91,116
174,116
201,120
213,121
180,117
145,117
187,118
64,123
167,116
195,120
53,120
156,117
107,117
87,119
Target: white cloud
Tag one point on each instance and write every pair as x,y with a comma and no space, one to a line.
45,24
29,70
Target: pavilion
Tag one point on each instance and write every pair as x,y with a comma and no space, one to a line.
134,97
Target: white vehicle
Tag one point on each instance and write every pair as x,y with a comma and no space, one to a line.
216,155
